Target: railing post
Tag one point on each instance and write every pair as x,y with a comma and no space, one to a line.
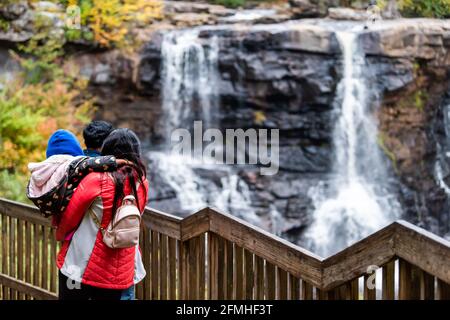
369,294
307,291
201,261
193,269
388,286
173,259
282,277
443,290
184,270
249,275
147,256
294,288
270,281
239,272
353,289
409,286
164,267
259,278
229,260
213,253
426,286
5,239
221,271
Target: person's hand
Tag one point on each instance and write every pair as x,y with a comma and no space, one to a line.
123,162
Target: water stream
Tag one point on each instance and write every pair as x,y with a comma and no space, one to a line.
190,79
357,201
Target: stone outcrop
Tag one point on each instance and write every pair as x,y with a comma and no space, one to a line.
348,14
189,14
311,8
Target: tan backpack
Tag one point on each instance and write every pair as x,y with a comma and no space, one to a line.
123,230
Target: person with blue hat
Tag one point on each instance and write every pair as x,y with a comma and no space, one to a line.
63,142
54,180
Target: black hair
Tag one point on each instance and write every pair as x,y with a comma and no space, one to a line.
124,144
95,134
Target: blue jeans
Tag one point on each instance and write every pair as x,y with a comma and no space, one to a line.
128,294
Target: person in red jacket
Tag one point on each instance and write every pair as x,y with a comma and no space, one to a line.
88,268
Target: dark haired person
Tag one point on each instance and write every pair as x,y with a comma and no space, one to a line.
94,135
88,268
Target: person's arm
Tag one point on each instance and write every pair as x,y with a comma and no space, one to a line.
88,190
97,164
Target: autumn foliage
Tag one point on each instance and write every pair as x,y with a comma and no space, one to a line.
110,20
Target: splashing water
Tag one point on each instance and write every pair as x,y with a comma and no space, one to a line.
181,178
357,202
190,79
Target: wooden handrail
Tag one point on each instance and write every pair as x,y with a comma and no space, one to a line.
400,239
19,285
422,249
22,211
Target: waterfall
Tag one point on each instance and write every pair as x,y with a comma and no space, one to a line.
190,78
441,167
357,201
443,153
190,83
181,178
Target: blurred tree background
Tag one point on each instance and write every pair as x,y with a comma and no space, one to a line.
44,97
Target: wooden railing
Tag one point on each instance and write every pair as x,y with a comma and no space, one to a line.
213,255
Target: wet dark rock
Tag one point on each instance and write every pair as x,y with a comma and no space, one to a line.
300,209
304,159
164,191
391,74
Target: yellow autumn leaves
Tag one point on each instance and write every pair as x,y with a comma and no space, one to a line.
110,20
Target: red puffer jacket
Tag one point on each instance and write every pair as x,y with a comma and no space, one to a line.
83,256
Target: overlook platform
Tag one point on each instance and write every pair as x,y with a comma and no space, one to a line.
213,255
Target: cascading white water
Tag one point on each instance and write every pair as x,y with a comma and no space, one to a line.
190,80
443,152
190,77
181,178
195,193
357,201
442,168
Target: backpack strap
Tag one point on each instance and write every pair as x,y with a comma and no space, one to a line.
96,221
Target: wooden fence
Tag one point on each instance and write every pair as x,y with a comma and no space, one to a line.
213,255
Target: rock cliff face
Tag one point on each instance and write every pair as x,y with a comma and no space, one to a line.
285,76
411,64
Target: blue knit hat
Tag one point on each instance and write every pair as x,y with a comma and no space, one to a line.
63,142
